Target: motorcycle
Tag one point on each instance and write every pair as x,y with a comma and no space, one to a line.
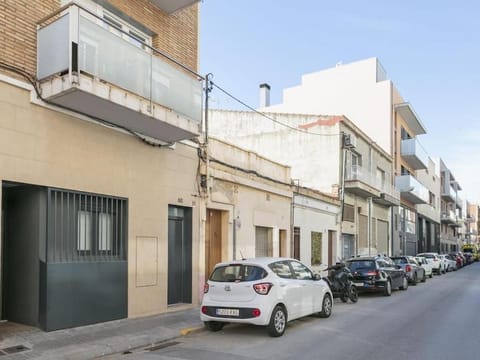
340,280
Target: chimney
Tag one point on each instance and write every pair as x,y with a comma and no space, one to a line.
264,95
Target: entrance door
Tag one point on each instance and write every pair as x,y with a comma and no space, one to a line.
213,240
296,243
332,247
179,255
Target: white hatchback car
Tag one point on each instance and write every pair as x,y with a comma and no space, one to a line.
263,291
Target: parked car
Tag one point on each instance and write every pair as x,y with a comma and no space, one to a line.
443,263
426,265
452,263
468,258
378,274
458,258
432,258
263,291
413,270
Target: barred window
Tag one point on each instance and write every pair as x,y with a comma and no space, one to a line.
86,227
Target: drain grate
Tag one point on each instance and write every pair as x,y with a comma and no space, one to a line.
13,349
163,345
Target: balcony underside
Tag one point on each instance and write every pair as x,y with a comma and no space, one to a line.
414,161
361,189
170,6
411,197
448,221
448,197
386,199
118,107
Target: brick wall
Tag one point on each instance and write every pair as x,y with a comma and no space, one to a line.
177,34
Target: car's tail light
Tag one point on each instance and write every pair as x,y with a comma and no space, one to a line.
375,273
408,268
205,288
262,288
204,310
256,312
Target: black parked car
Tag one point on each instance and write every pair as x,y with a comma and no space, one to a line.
377,274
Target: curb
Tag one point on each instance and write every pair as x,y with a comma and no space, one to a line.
191,330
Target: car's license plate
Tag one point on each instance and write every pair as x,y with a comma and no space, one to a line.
358,284
228,312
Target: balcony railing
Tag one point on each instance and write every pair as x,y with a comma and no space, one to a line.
449,193
170,6
414,154
84,66
374,186
412,190
448,217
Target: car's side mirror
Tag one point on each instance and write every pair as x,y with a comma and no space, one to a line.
317,277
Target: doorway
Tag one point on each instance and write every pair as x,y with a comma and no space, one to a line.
179,255
213,240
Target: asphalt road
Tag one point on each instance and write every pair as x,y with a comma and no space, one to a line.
439,319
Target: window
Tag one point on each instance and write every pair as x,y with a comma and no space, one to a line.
238,273
404,134
301,272
432,199
404,171
348,213
282,269
381,177
86,227
316,247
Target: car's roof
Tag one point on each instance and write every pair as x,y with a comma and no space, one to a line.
361,258
427,253
265,261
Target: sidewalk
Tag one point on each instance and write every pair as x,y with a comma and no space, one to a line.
88,342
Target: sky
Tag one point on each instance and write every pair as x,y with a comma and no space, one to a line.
429,49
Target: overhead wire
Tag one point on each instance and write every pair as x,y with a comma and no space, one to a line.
251,108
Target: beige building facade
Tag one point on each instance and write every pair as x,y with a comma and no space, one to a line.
248,212
99,176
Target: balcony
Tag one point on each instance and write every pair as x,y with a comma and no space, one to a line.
448,217
406,111
414,154
449,194
389,196
412,190
86,68
360,181
170,6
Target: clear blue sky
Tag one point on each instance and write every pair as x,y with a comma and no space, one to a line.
429,49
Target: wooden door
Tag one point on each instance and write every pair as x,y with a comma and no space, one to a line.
213,240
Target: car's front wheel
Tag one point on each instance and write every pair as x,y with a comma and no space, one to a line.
278,322
404,284
327,304
214,325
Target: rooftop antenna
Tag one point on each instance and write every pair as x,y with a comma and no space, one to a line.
241,254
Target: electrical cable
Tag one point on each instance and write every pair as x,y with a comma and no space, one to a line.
265,115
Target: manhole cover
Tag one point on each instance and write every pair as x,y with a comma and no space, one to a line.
14,349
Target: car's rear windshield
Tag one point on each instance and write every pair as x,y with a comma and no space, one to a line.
357,265
238,273
400,261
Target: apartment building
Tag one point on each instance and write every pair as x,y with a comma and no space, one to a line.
99,176
331,155
452,231
428,218
362,92
472,220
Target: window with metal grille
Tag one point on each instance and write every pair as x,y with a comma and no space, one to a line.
86,227
348,213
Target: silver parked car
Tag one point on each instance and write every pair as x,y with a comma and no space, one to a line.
414,271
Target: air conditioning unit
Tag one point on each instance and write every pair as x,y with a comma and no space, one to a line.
349,141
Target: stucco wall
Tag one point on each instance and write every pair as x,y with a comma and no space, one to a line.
45,147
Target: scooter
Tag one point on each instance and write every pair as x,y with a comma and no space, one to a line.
340,280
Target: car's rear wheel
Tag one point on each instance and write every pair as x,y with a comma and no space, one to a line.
415,279
388,288
431,274
405,284
326,307
278,322
214,325
424,279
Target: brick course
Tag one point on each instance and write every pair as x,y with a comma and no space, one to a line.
177,34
